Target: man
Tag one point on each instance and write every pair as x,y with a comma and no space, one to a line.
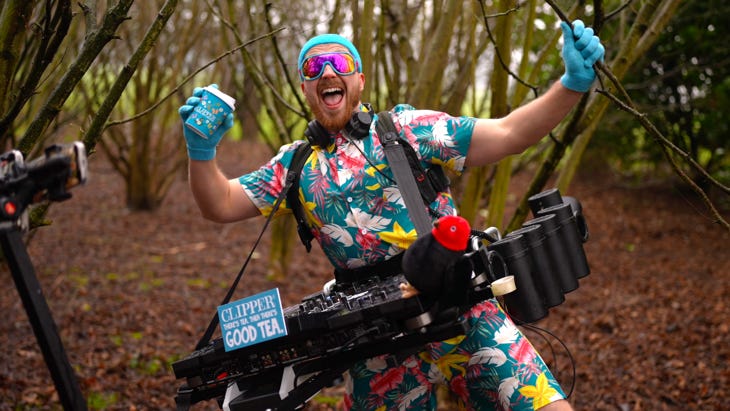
356,214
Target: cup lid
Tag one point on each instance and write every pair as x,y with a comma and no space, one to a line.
221,95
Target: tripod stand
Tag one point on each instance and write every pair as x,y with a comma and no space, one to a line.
21,184
40,318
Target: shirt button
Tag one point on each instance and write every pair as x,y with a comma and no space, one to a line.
364,231
349,199
340,162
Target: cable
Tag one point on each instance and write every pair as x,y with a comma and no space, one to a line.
215,321
346,344
484,236
357,337
433,213
378,170
540,330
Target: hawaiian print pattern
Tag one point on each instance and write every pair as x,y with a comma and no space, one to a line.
359,218
492,368
352,203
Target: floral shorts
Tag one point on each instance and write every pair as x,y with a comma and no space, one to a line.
493,367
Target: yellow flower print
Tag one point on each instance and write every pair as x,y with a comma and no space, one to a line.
309,207
399,236
455,340
448,362
450,164
541,393
372,170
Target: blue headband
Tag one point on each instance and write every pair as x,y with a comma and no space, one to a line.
329,39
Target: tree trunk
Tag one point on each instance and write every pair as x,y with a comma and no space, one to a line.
284,240
499,108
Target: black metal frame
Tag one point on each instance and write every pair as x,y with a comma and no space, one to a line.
21,184
39,315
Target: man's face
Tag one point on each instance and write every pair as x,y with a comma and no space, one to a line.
332,97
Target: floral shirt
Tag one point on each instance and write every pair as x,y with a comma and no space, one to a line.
349,193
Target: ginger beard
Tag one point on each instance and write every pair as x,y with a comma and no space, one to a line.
331,92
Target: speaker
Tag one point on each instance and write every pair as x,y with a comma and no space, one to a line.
357,128
316,134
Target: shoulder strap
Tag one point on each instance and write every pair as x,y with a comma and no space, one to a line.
292,195
402,171
429,182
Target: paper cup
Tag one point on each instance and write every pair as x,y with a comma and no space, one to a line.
210,113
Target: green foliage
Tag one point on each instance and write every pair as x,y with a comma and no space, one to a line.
198,283
683,85
102,400
151,366
326,400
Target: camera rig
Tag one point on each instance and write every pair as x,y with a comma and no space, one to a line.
46,178
530,269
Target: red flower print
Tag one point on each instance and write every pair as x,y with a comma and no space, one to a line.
367,241
352,162
486,309
276,182
347,400
416,373
522,351
458,387
429,118
387,381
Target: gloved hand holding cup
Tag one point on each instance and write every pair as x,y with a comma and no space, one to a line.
207,115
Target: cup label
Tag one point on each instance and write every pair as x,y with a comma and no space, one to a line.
210,113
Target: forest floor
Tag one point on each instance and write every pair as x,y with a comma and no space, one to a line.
132,292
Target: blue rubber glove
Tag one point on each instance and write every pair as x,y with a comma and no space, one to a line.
581,49
199,148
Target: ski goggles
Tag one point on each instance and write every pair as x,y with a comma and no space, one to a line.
313,66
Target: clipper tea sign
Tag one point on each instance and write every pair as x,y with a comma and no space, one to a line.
252,320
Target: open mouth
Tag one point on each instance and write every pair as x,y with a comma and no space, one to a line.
332,96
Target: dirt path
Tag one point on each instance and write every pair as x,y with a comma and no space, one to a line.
130,292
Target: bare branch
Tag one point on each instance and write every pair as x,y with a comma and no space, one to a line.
665,142
496,48
93,45
54,30
666,145
618,10
190,76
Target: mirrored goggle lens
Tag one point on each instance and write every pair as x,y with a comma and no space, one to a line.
341,63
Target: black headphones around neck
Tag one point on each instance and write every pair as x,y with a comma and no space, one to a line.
357,128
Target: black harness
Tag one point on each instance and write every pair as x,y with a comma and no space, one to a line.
430,181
